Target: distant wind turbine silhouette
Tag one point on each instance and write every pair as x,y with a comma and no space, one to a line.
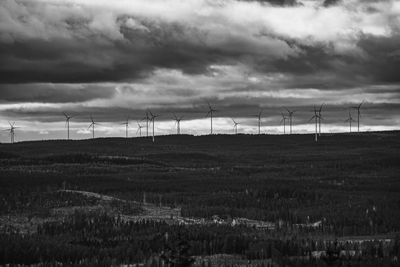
210,112
350,120
284,118
152,118
259,121
11,130
126,123
235,126
139,129
67,119
147,118
358,115
320,118
92,126
178,124
317,118
290,116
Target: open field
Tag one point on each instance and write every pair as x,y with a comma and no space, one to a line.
270,200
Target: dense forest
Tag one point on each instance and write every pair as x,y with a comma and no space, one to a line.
204,201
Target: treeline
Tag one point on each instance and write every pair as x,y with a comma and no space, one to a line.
290,206
98,237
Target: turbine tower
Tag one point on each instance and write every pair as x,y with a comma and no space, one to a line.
92,126
210,112
317,118
235,124
12,132
259,121
320,118
358,115
126,123
350,120
67,119
178,124
290,116
284,118
139,129
147,118
152,118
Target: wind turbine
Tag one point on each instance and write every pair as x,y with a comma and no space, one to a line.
178,124
235,124
139,129
350,119
358,115
147,118
152,118
290,114
284,118
92,125
67,119
210,112
259,121
126,123
12,131
317,118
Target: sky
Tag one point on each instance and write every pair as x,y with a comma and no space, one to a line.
114,60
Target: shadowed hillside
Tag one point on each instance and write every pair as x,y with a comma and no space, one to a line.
276,187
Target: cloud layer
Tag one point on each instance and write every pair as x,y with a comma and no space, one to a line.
114,58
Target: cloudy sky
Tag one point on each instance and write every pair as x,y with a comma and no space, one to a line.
113,59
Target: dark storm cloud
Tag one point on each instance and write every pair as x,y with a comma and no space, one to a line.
328,3
50,93
275,2
126,47
318,67
383,58
135,57
87,42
